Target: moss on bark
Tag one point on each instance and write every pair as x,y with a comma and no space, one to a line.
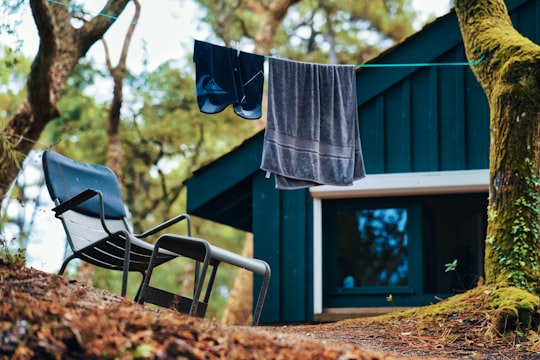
510,77
507,309
513,309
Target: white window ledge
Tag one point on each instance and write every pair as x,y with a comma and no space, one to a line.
401,184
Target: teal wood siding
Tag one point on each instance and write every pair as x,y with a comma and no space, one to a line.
294,260
526,19
281,239
268,242
436,119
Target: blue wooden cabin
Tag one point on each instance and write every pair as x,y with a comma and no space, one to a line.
383,243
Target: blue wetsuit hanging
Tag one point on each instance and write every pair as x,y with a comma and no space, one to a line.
225,76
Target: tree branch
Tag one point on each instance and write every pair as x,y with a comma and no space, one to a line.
129,35
94,29
487,31
265,36
118,73
40,80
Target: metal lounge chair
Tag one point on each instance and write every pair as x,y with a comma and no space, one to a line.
90,205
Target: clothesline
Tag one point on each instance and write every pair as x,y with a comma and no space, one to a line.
466,63
387,65
76,7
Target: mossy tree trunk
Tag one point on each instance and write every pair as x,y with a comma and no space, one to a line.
61,45
509,73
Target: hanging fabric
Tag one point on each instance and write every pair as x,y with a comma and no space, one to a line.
226,76
312,133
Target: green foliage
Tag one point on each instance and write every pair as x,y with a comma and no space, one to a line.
144,351
451,266
12,92
13,75
80,131
9,151
344,31
7,258
11,17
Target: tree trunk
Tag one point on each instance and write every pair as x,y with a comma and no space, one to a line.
61,46
264,39
267,30
118,73
509,73
240,303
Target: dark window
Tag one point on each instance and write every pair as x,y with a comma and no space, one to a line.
454,228
399,246
372,248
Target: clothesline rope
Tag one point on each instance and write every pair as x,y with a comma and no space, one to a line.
76,7
465,63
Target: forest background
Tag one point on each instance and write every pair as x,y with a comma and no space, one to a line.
164,137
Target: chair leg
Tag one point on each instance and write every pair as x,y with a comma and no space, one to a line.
65,263
262,296
126,264
199,284
138,294
210,285
197,273
148,275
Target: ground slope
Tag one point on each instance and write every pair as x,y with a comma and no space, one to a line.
48,316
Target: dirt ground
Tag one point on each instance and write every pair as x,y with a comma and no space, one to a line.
44,316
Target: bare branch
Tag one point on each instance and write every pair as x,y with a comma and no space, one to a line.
94,29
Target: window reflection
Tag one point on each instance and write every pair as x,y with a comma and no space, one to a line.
372,248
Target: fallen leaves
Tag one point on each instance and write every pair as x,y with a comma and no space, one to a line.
48,316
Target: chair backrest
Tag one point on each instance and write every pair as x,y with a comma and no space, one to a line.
66,178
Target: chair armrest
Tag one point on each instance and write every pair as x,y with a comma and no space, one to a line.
80,198
74,201
166,224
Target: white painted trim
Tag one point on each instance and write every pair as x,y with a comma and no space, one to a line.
317,257
399,184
